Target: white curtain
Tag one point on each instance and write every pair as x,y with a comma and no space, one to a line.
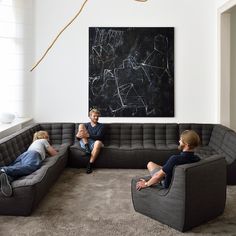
15,44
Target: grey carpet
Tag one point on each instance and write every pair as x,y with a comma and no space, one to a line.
100,204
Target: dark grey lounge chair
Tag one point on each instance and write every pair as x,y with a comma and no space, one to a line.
197,194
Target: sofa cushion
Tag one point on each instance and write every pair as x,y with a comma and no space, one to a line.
39,174
59,132
228,147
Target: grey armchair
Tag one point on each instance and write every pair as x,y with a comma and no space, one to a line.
197,194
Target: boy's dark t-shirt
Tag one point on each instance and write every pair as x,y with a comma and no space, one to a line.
95,132
183,158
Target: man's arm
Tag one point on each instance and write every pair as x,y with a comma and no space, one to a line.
154,180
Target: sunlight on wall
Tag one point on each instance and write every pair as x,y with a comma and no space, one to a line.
11,56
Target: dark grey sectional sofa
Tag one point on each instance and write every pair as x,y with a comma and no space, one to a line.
29,190
133,145
126,146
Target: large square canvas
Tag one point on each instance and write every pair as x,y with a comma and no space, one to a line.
131,71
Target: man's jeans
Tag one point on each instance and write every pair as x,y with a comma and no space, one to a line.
90,143
25,164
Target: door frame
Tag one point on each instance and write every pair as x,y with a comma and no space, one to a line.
223,62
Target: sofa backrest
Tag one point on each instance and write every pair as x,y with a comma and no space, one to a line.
12,146
217,136
125,135
152,135
59,132
140,135
203,130
228,147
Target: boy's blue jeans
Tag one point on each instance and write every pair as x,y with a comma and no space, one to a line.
25,164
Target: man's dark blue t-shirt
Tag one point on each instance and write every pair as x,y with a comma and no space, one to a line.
95,132
183,158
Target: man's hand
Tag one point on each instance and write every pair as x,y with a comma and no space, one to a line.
141,184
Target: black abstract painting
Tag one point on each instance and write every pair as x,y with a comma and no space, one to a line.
131,71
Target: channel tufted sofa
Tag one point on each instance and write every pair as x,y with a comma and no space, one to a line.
133,145
197,194
30,189
126,146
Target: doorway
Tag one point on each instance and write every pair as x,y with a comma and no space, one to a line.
226,64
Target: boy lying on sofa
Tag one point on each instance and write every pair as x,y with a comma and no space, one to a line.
27,162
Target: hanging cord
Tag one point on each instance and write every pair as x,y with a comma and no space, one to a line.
53,42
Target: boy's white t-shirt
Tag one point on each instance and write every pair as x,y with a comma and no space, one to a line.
40,146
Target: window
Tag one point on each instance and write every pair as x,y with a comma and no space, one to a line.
15,44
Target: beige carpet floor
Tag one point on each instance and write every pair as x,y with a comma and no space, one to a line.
100,204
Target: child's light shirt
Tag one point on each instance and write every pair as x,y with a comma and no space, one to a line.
40,146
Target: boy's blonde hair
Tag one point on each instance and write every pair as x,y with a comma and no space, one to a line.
94,110
191,138
40,135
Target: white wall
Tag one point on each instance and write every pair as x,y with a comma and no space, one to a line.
233,70
220,3
61,80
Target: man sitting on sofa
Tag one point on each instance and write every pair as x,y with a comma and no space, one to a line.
90,135
189,140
